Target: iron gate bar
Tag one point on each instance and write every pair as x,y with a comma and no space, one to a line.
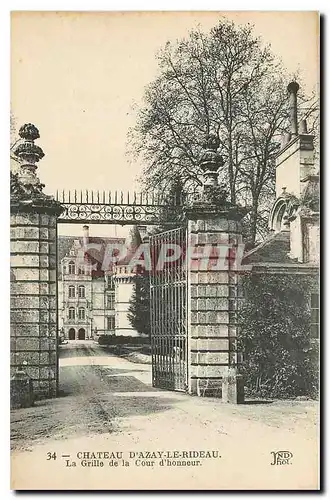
120,208
168,294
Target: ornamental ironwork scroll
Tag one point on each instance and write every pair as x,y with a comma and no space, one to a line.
117,207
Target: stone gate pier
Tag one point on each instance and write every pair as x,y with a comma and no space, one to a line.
33,270
213,287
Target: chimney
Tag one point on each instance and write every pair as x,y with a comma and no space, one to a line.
303,127
143,233
293,88
85,235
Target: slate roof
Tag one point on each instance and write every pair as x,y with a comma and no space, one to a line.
92,256
132,242
273,249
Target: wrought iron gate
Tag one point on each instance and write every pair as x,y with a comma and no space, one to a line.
168,311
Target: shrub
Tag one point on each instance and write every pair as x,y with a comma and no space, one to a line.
122,339
279,359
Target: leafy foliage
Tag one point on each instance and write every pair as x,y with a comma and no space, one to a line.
13,128
139,306
25,191
279,359
225,82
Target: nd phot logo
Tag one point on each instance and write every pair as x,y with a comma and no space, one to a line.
281,457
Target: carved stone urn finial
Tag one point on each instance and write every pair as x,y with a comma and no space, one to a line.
29,154
26,190
211,160
29,132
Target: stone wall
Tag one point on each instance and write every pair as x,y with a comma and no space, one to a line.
34,299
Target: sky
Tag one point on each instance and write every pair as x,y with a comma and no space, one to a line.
76,76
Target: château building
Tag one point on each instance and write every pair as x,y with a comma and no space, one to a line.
93,301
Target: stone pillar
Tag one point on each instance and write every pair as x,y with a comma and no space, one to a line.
33,271
213,288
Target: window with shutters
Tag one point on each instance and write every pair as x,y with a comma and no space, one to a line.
111,301
110,323
110,283
72,313
81,312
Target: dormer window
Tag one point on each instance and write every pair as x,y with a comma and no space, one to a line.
72,267
110,283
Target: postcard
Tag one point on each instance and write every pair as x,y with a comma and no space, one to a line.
164,273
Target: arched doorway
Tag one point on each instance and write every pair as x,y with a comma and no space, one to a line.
72,334
81,334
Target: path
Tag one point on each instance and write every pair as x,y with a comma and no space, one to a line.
108,405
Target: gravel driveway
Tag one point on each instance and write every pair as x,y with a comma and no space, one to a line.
107,403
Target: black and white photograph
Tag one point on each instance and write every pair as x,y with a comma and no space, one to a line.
164,250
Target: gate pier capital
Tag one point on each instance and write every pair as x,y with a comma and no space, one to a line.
33,222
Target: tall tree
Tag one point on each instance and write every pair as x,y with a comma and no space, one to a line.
225,82
13,127
139,305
